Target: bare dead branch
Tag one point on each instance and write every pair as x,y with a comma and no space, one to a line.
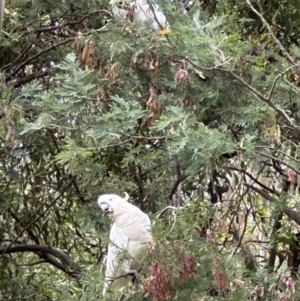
31,264
172,208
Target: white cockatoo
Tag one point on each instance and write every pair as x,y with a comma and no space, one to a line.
140,12
130,236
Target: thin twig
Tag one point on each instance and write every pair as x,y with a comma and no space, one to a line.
248,86
45,29
173,208
36,219
278,76
294,215
280,161
38,55
31,264
278,151
260,15
140,137
253,179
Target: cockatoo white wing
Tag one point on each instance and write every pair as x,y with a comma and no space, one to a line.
117,245
116,259
138,230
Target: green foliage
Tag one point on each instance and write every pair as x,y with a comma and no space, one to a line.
92,104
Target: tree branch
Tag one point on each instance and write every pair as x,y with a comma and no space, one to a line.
26,79
249,87
61,261
274,251
263,20
280,161
295,216
37,55
277,77
25,228
253,179
176,184
45,29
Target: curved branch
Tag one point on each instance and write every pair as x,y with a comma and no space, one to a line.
51,255
27,227
173,208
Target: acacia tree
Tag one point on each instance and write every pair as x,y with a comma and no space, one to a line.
206,114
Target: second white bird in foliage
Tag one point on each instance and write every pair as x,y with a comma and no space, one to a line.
130,236
140,12
2,9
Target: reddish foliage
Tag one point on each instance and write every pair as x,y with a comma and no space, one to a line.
189,268
87,54
159,287
130,13
290,283
186,101
161,284
218,269
293,178
220,278
152,105
182,77
112,72
288,294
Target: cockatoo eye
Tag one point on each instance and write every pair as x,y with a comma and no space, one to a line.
106,208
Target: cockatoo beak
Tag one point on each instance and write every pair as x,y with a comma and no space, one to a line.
106,208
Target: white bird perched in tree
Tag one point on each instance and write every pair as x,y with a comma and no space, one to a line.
130,236
140,12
